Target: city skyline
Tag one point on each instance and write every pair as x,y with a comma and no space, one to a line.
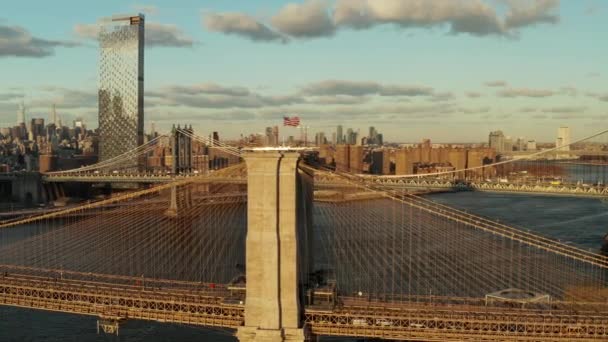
527,70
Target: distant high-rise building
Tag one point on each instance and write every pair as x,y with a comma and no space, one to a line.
342,158
520,145
54,115
371,138
216,138
426,143
531,145
349,134
271,136
275,135
563,139
121,88
508,144
497,141
37,127
404,162
339,135
356,159
320,139
380,163
21,114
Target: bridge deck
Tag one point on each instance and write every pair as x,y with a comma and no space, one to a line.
121,301
458,322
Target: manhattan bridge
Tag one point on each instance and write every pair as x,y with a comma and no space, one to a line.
280,248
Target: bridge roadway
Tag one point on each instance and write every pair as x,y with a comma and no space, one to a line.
462,320
119,298
565,189
215,306
90,177
571,190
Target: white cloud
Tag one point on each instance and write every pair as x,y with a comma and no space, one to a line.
307,20
146,9
524,13
496,84
525,92
318,18
241,25
15,41
157,34
358,88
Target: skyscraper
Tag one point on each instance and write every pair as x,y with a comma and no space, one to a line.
497,141
121,88
21,114
54,115
339,135
563,139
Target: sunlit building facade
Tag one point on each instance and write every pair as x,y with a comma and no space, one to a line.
121,87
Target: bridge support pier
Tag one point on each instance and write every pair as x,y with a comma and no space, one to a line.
172,210
276,251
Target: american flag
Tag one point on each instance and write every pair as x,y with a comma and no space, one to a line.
293,121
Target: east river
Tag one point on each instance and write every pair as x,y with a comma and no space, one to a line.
581,222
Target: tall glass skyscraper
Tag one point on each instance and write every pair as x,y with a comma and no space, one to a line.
121,87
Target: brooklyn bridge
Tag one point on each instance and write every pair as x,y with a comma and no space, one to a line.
280,248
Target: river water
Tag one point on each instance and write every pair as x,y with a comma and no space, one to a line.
581,222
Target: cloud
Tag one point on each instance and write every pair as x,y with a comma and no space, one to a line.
147,9
166,35
339,100
319,18
157,34
570,91
496,84
593,74
358,88
473,17
524,13
525,92
439,97
528,109
473,94
16,41
405,90
598,96
241,25
592,9
307,20
66,98
479,110
10,96
204,88
188,115
565,110
211,95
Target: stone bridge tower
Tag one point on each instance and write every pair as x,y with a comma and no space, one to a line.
278,246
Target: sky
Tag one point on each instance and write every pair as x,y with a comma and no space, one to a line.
449,70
